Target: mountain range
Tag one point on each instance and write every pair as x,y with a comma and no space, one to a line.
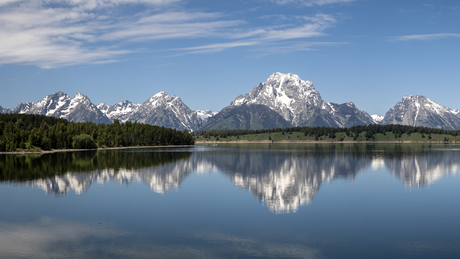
284,100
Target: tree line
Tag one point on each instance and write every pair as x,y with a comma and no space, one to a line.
30,131
330,132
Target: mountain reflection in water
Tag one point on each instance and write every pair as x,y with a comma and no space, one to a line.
282,179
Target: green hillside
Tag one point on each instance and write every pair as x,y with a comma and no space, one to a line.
357,133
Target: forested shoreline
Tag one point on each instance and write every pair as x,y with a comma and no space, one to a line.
370,132
38,132
29,132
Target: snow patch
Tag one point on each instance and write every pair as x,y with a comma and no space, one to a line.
377,118
206,114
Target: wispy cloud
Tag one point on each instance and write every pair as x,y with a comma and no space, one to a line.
435,36
55,33
310,2
302,46
52,33
170,25
312,27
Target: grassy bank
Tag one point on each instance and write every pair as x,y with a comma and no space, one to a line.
289,137
41,151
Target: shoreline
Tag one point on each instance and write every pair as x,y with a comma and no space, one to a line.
200,142
318,142
40,152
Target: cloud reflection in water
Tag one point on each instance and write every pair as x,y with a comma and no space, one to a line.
52,238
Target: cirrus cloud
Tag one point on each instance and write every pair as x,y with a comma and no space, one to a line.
53,33
435,36
310,2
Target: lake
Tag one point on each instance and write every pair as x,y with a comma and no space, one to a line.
234,201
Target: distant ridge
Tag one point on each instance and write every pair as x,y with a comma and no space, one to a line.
418,110
168,111
284,100
60,105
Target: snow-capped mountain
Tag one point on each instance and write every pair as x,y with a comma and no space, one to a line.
296,101
60,105
121,111
377,118
22,108
417,110
205,114
168,111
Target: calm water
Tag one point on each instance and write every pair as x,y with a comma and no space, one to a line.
250,201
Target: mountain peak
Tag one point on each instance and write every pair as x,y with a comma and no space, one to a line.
102,106
377,118
59,94
80,96
280,79
205,114
415,97
279,75
160,94
351,104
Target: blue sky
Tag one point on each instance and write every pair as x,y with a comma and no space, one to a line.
209,51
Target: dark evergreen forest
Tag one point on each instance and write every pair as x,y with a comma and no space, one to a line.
30,132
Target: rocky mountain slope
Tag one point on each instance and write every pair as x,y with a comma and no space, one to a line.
417,110
121,111
60,105
246,116
168,111
205,114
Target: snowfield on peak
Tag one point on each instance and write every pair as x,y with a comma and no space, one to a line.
205,114
120,111
377,118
